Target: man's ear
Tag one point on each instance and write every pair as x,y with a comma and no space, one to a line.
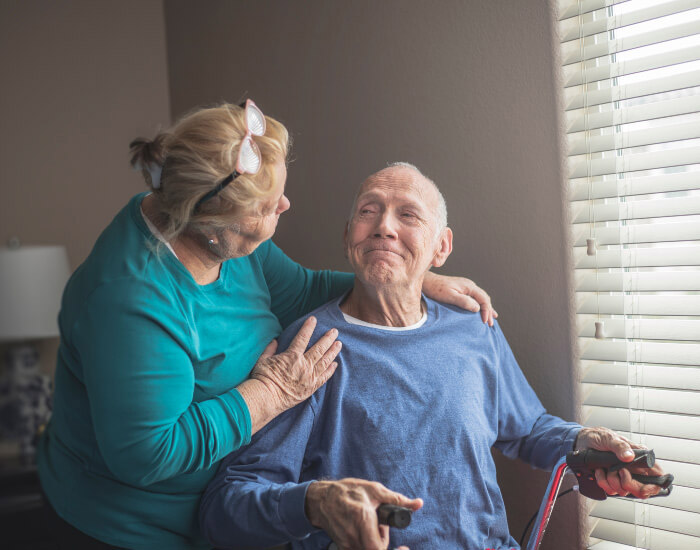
444,248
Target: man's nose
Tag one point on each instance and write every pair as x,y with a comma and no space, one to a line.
386,226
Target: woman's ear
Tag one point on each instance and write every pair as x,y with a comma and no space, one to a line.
444,248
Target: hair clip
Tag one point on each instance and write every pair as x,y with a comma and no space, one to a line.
155,172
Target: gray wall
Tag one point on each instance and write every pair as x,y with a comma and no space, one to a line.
80,79
466,90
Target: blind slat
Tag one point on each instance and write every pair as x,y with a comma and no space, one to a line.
592,119
574,75
623,187
619,509
640,257
582,167
598,22
665,376
648,399
582,143
597,544
644,329
643,422
634,535
581,96
590,48
658,305
585,212
572,8
643,233
677,353
637,282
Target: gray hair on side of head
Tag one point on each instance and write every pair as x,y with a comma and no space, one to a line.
440,215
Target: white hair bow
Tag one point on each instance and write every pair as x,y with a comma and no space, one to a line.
155,171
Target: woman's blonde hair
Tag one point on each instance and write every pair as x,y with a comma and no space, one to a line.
197,153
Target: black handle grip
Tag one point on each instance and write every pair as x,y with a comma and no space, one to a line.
388,514
584,464
590,459
394,516
663,481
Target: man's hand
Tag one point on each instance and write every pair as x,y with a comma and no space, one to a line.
619,482
347,511
460,292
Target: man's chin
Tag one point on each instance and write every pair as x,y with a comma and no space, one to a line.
380,273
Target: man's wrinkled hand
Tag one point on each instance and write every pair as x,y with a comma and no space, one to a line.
347,511
619,482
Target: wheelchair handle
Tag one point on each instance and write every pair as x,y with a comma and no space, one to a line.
394,516
391,515
590,459
584,464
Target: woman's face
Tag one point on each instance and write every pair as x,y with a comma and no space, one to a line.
252,230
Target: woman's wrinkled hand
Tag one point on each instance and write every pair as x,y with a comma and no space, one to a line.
347,511
293,375
460,292
619,482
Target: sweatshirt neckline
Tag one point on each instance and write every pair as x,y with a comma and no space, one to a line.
431,313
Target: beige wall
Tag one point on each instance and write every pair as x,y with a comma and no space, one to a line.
80,79
463,89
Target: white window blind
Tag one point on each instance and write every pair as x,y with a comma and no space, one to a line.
631,73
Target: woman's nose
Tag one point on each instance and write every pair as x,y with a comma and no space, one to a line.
283,205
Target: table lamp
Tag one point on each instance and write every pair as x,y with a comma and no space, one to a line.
32,279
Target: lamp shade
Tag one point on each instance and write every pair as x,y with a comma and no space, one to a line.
32,279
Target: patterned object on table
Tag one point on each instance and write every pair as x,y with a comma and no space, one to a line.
25,399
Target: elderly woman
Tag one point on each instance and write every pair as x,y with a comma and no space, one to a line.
167,360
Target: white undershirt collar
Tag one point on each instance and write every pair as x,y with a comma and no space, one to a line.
355,321
158,235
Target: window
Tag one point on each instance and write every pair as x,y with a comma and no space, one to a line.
631,72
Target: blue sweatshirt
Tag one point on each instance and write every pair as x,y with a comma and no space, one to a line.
145,404
417,410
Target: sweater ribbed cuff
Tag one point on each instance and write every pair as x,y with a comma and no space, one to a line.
241,414
568,442
291,510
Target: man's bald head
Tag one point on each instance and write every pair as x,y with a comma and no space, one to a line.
410,173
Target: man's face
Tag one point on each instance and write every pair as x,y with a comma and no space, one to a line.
391,237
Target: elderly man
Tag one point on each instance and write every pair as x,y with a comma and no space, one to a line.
421,394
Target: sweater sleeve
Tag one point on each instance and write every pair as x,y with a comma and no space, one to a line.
140,383
255,498
295,290
525,430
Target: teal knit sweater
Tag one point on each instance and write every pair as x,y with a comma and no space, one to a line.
145,404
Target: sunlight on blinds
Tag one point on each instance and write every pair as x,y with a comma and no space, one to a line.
631,76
